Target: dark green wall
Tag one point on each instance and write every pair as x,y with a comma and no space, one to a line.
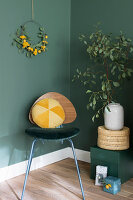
22,80
115,15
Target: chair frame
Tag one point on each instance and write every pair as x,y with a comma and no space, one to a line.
30,161
70,116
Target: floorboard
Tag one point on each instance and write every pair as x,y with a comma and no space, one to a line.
59,181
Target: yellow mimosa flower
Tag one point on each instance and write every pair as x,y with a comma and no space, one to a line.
26,44
44,41
46,36
22,37
29,48
35,52
39,51
43,47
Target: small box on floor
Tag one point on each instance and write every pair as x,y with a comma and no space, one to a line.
101,173
112,185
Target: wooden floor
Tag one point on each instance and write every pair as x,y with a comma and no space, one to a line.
59,181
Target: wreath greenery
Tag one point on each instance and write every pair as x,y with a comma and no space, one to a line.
23,42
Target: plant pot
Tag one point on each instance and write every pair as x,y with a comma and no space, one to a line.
114,116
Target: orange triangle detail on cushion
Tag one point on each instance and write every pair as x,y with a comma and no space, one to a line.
44,103
59,111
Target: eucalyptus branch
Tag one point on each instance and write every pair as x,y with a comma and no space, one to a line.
113,55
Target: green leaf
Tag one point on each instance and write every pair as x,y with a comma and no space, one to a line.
91,104
129,40
88,91
111,57
96,48
85,42
41,29
124,75
105,96
103,87
97,115
131,49
83,36
101,77
93,82
93,107
100,51
93,118
94,101
108,86
40,36
77,70
91,36
95,53
129,73
112,70
119,77
18,46
116,84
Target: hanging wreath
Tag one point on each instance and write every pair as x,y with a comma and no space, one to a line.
23,42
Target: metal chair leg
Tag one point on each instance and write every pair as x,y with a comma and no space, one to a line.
28,167
78,171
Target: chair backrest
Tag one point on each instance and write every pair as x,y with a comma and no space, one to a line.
70,112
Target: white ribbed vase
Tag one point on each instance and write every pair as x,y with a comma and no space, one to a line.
114,119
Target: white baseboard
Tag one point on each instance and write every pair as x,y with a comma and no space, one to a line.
12,171
81,155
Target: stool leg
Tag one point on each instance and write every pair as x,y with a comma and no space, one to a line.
28,167
78,171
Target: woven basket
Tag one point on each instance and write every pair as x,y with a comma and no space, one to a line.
113,140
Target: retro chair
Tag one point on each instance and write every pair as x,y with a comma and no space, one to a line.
61,134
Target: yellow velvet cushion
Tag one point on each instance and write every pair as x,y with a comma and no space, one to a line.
48,113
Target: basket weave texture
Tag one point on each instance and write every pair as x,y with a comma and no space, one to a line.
113,140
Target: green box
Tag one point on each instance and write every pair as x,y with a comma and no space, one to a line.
119,163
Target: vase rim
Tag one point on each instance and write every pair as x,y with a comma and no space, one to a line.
114,104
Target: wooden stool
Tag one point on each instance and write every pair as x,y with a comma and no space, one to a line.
113,140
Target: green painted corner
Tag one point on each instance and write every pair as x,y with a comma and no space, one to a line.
22,80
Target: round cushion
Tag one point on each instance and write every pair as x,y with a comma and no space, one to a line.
48,113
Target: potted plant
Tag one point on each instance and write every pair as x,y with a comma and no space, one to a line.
110,59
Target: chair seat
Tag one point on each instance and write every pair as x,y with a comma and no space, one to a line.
52,133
